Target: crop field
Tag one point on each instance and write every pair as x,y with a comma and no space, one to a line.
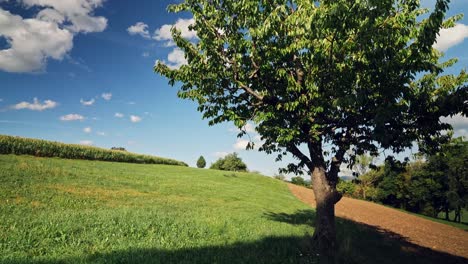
44,148
56,210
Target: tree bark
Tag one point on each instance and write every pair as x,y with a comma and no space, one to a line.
325,233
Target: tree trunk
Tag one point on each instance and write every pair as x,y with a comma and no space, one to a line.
325,234
457,214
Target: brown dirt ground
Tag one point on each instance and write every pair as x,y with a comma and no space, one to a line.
417,230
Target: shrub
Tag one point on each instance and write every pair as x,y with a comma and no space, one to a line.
201,162
280,177
347,188
298,180
232,162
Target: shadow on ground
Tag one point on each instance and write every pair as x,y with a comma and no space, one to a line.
361,243
358,244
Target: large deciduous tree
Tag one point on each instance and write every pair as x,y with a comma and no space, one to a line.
352,75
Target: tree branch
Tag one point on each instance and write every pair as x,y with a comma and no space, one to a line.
298,153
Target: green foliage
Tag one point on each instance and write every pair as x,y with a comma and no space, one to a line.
298,180
201,163
435,187
358,75
43,148
347,188
231,162
450,169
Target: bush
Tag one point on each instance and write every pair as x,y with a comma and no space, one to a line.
298,180
231,162
347,188
280,177
201,162
118,148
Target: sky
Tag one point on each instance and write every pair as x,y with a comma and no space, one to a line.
81,71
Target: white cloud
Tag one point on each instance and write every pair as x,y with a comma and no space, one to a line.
87,103
76,15
449,37
100,133
145,54
48,34
72,117
135,119
31,42
119,115
106,96
164,32
86,142
139,28
35,105
87,130
176,59
459,124
240,144
1,100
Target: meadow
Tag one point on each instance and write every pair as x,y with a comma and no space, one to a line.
76,211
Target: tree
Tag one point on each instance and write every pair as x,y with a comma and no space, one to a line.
232,162
361,170
312,74
119,148
201,163
280,177
298,181
449,168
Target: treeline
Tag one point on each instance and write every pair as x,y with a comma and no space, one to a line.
44,148
435,184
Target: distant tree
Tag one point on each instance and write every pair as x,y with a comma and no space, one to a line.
201,162
449,167
119,148
347,188
298,180
357,76
361,167
231,162
280,177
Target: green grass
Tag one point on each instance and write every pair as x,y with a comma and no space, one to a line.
75,211
463,225
464,218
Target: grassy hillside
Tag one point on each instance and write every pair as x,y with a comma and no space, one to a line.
75,211
44,148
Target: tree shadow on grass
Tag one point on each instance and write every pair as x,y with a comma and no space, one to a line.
280,250
361,243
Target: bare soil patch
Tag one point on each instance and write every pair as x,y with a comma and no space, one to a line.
414,229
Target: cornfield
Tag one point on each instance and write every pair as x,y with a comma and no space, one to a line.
44,148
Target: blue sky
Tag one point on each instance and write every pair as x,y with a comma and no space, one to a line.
89,64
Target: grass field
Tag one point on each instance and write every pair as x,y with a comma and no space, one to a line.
75,211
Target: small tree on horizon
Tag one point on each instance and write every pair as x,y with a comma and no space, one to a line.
323,80
201,162
231,162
